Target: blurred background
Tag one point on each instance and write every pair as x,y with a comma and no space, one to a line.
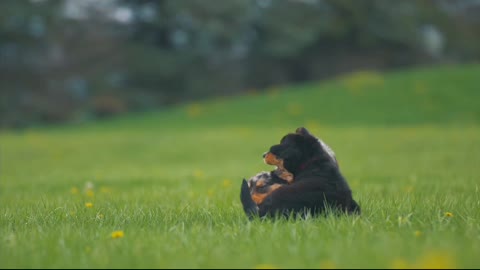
72,61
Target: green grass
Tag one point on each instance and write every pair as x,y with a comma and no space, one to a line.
407,142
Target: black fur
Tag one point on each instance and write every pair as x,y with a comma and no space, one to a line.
318,183
249,206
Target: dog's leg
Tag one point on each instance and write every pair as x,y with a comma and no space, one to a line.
249,206
258,198
296,197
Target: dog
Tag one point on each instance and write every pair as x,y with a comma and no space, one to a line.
318,183
264,183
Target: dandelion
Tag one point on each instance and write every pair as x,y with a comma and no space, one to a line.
420,88
435,260
74,190
418,233
90,193
198,174
105,190
430,260
313,125
399,264
89,189
294,109
327,265
409,189
118,234
448,214
358,81
273,92
227,183
194,110
89,205
252,92
265,266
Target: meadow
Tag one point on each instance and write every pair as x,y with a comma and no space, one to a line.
161,189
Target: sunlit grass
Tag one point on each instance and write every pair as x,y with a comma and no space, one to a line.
162,190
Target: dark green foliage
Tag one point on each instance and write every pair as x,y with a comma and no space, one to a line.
69,61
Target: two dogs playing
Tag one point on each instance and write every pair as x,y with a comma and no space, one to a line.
307,180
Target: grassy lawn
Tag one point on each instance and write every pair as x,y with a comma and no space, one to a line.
169,181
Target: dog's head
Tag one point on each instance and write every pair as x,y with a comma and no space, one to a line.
260,186
298,149
271,159
258,182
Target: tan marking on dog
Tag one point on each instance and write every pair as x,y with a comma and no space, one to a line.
260,183
271,159
258,198
281,172
285,175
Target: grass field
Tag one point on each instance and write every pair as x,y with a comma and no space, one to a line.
161,189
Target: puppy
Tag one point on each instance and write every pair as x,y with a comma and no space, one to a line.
318,183
264,183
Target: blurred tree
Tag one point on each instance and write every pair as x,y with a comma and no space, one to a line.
73,60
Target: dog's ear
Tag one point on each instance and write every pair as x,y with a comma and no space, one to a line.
302,131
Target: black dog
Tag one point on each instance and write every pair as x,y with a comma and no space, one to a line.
318,182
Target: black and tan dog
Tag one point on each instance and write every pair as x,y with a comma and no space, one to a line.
317,182
264,183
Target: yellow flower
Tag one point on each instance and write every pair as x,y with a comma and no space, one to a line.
294,109
273,92
430,260
409,189
74,190
436,260
448,214
252,92
198,174
227,183
327,265
89,205
90,193
105,190
117,234
420,88
418,233
265,266
194,110
312,125
399,264
359,81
